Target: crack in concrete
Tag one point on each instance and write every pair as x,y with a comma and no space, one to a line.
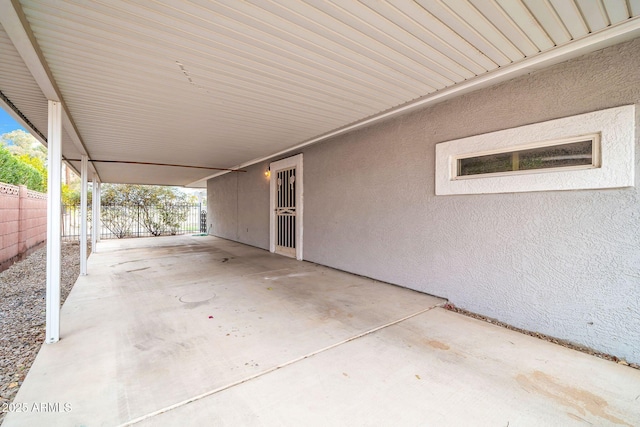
275,368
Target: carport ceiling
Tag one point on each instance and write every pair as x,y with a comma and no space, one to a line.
227,83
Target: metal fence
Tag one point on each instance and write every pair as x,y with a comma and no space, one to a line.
122,221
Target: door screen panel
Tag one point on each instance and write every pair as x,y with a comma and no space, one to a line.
286,212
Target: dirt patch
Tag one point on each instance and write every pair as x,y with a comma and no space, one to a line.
22,313
564,343
581,401
438,345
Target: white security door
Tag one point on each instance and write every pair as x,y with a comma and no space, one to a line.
286,207
286,212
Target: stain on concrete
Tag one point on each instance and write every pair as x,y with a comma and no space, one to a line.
439,345
126,262
192,305
577,418
199,297
138,269
580,400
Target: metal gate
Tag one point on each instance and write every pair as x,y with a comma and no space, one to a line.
203,221
286,212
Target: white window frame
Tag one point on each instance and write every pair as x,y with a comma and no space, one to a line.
595,152
614,165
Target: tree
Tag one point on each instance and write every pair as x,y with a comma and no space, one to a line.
38,164
117,219
161,209
23,160
17,172
19,143
135,195
71,196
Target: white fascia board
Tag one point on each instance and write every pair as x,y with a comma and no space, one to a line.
609,36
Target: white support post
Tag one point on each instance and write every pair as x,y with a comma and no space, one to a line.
83,216
95,200
98,223
54,142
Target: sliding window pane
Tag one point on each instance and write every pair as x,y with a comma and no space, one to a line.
480,165
578,153
557,156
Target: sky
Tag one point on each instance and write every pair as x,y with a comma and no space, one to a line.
7,124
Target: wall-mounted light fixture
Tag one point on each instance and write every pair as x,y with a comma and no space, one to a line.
267,173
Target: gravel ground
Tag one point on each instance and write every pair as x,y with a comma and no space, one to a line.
22,313
564,343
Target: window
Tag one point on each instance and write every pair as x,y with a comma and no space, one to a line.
580,152
586,151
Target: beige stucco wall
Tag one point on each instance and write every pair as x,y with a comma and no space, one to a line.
564,263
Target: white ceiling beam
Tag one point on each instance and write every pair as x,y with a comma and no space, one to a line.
15,24
607,37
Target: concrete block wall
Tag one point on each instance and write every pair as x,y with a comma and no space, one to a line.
9,222
23,222
563,263
33,219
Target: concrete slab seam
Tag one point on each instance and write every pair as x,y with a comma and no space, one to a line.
275,368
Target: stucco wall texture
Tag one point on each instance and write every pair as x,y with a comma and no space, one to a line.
563,263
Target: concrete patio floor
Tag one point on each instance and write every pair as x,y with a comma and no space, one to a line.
203,331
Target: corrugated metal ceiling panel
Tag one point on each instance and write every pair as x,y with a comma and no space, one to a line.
220,83
22,90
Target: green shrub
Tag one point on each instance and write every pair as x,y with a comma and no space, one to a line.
16,172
